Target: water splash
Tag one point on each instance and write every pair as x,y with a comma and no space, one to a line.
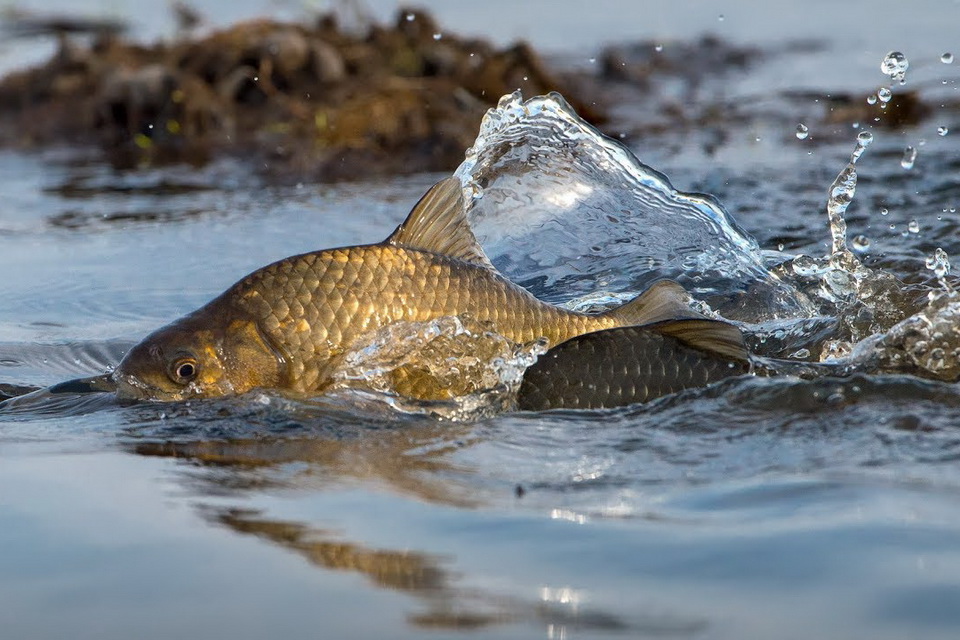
939,263
895,65
452,358
841,194
909,158
566,212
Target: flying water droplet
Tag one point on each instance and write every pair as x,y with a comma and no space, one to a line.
802,132
884,211
437,36
872,98
839,198
658,48
895,65
861,243
942,131
939,263
411,17
913,226
909,158
947,58
884,94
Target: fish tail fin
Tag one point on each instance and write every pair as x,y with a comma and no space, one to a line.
664,308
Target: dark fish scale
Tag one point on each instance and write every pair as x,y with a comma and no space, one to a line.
617,367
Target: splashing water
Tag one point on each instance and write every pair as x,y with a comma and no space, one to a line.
841,195
452,358
939,263
909,158
567,212
895,65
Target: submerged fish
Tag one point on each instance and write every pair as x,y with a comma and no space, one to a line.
288,325
627,365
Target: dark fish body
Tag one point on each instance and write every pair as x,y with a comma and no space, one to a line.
621,366
288,325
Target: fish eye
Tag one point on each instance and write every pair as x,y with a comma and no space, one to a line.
183,370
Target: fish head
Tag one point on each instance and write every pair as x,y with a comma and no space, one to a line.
197,358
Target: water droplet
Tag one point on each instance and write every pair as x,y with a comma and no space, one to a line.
658,48
947,58
909,158
592,60
804,265
861,243
437,36
942,131
884,94
939,263
411,17
872,98
913,226
864,138
802,132
895,65
893,227
800,354
721,18
884,211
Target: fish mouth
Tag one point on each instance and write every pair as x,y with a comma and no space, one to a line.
129,387
94,384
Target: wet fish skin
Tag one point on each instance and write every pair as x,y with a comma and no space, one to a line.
621,366
287,325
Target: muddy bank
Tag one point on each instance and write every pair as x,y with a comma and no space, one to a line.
310,100
317,102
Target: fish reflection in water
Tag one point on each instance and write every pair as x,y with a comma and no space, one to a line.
411,460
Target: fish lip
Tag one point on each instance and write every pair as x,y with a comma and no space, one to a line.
129,387
104,383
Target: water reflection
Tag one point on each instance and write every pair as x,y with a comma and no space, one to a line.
409,461
413,461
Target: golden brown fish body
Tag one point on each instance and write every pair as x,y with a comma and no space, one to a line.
287,325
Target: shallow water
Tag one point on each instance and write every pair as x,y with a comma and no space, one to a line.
757,508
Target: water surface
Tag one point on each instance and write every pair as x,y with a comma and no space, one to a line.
757,508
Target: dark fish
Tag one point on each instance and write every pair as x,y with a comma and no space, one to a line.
288,325
626,365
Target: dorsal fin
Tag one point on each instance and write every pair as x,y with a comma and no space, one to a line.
438,223
714,336
664,300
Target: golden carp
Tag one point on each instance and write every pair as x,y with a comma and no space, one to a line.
288,325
